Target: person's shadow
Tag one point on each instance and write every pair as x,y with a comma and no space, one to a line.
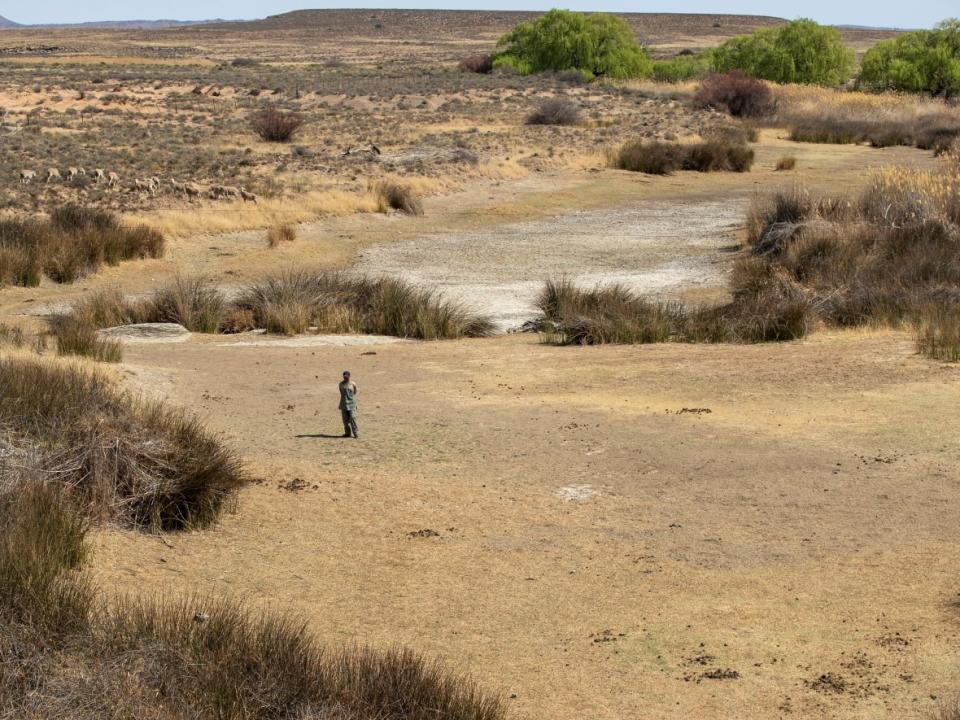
321,436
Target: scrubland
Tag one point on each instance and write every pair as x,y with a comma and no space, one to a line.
751,515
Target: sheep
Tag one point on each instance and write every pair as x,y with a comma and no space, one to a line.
192,190
247,195
53,174
112,179
224,191
99,175
154,183
74,172
27,176
142,185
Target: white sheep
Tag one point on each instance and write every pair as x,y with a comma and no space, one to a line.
99,175
247,195
27,176
112,179
53,174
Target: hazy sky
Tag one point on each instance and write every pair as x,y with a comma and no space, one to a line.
919,13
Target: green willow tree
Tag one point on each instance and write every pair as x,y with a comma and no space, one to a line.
922,61
595,44
800,52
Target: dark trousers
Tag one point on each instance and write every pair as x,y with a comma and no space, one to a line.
349,422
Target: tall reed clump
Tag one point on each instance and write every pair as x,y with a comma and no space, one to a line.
938,333
570,315
293,302
70,650
73,242
131,460
288,303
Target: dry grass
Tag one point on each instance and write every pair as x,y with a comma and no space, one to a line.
289,303
774,310
888,256
186,221
938,333
280,234
833,116
787,162
128,459
949,710
294,302
75,241
395,195
70,651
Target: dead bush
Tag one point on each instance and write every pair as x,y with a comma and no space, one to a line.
555,111
275,125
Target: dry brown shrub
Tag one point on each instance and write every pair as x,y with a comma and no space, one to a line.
280,234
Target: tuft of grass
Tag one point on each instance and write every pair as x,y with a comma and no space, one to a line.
42,548
938,333
555,111
132,460
663,158
949,710
275,125
279,234
195,303
394,195
787,162
78,336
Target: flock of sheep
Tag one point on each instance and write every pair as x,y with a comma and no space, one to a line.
151,185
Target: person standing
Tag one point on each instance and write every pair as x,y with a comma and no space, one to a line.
348,405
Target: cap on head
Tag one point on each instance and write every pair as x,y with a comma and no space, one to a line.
346,373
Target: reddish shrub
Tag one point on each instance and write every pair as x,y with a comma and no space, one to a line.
480,63
738,94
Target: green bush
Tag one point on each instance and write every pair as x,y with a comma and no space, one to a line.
596,45
682,67
921,61
799,52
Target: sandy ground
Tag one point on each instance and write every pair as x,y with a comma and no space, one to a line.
668,531
651,247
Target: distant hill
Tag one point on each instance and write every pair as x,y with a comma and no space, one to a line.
131,24
115,24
